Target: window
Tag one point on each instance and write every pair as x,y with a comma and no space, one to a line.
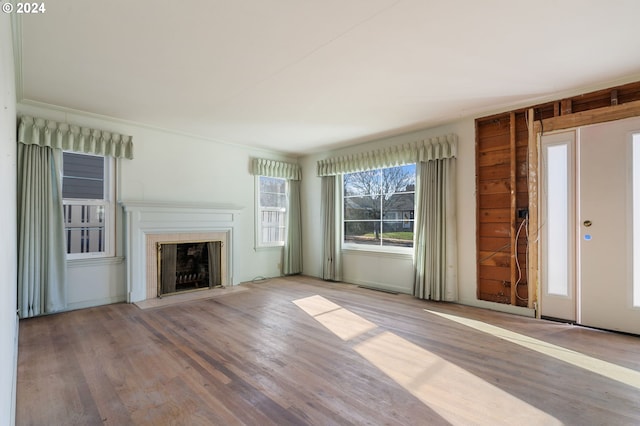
87,192
272,211
379,207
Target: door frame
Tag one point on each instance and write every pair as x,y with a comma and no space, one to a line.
536,129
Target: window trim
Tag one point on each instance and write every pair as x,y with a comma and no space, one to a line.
109,210
353,247
259,245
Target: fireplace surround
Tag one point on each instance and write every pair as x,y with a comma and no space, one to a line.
150,223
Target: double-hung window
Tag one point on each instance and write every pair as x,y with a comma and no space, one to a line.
379,207
88,194
272,211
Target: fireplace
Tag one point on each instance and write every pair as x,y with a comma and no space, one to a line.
188,266
150,224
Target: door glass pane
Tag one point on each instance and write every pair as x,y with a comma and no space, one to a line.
636,220
557,220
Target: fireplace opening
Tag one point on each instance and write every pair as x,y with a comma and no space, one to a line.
188,266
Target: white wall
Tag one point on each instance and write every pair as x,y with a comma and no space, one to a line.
170,167
394,271
8,252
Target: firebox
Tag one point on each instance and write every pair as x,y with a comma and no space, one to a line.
188,266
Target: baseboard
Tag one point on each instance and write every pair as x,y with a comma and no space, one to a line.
15,374
95,302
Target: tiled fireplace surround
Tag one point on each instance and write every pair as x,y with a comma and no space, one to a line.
147,224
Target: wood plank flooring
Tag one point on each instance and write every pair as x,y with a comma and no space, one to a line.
257,358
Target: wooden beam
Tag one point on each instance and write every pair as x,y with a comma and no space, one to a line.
532,262
477,212
513,206
584,118
614,97
565,106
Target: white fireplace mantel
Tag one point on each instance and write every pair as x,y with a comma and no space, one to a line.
144,218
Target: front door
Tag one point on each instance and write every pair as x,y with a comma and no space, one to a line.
599,254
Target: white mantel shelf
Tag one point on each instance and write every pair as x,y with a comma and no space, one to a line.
143,218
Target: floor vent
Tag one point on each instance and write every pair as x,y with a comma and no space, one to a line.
378,289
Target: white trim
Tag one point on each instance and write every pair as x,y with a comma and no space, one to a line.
96,302
14,382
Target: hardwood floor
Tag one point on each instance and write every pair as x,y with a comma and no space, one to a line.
338,355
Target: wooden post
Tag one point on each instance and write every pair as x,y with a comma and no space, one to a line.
532,262
513,212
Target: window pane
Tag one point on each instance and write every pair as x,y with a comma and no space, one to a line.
276,185
399,179
361,208
362,232
557,220
398,206
397,233
375,196
83,176
84,228
268,199
362,183
272,210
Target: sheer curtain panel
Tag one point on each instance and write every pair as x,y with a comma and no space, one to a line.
41,245
435,249
331,262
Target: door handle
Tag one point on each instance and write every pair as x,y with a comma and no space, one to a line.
587,223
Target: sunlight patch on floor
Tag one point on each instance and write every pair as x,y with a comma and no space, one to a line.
612,371
342,322
455,394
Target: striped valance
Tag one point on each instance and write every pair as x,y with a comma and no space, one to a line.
277,169
420,151
38,131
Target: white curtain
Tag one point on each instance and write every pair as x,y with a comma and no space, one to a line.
41,244
292,252
435,250
329,205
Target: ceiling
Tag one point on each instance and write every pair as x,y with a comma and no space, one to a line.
301,76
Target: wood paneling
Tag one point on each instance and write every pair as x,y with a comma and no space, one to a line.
506,175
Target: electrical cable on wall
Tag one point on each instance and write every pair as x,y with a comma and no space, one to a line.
525,221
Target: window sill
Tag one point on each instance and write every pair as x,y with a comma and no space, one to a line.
96,261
